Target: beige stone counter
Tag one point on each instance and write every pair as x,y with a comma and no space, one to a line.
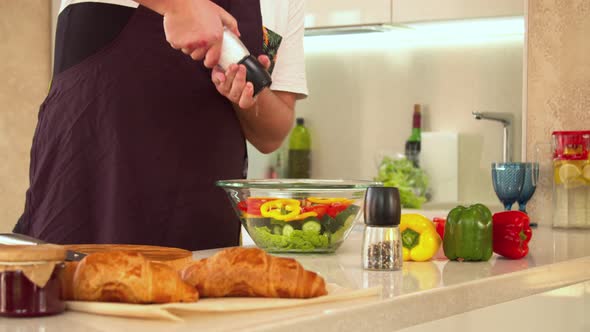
421,292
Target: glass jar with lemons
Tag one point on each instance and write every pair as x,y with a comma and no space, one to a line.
571,174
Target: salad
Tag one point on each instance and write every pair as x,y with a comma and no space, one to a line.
307,224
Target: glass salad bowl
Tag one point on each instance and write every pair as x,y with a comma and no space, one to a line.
297,215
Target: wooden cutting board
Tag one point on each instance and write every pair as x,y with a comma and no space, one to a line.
175,257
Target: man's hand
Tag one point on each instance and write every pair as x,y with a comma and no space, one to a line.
194,26
232,83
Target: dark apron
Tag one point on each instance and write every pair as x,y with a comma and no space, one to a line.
130,142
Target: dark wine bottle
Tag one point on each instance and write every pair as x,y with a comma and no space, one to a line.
413,142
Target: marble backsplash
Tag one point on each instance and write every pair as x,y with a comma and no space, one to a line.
25,71
558,84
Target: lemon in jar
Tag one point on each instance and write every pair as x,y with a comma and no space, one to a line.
586,172
570,175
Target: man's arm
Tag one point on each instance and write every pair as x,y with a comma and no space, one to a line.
269,121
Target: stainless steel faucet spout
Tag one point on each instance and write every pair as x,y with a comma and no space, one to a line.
506,120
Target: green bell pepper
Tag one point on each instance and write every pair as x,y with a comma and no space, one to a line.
468,233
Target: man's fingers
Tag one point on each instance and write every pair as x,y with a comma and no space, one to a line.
230,74
238,84
265,61
212,56
198,54
228,21
247,98
225,86
218,76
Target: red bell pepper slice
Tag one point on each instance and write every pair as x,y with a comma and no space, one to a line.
320,209
512,233
440,226
336,208
252,205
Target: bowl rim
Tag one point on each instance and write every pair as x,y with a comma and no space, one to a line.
297,184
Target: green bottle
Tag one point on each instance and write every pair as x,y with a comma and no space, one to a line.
299,152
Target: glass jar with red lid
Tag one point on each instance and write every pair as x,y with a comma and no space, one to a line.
571,174
29,280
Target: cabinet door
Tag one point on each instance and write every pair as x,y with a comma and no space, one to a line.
404,11
333,13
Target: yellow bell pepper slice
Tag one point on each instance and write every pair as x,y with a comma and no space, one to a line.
302,216
325,200
281,209
419,238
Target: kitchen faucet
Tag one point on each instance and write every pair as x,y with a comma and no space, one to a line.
506,120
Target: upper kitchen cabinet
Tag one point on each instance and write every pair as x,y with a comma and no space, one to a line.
343,13
406,11
323,15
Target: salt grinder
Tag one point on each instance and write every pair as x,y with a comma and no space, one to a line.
382,246
234,51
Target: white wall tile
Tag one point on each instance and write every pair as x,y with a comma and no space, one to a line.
362,95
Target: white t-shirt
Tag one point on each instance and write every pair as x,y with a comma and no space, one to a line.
285,17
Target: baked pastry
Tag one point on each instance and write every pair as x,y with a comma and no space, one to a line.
252,272
174,257
127,277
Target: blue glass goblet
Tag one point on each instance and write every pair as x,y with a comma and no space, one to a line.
531,178
508,179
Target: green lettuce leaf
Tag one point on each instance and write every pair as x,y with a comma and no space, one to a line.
298,239
412,182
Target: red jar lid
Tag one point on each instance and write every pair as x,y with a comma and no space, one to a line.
570,132
571,145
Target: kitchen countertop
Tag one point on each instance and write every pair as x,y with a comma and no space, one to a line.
421,292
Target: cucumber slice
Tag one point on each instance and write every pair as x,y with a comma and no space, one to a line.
312,226
277,229
342,216
330,224
339,234
287,230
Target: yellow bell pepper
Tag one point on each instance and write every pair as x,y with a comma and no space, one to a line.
419,238
324,200
302,216
281,209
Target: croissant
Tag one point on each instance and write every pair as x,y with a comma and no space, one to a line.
252,272
124,277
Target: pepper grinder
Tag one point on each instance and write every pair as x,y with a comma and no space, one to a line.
234,51
382,245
